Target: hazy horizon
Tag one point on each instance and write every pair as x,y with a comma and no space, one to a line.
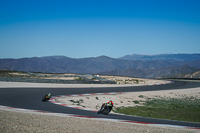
98,56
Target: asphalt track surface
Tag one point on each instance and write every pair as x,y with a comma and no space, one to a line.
30,98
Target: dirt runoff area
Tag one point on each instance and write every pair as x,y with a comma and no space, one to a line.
12,120
129,99
129,82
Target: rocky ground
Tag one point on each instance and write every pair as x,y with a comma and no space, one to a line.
22,121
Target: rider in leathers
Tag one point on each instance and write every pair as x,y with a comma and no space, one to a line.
110,104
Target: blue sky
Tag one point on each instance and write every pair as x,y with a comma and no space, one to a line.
83,28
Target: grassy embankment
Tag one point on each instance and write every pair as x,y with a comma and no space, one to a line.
181,109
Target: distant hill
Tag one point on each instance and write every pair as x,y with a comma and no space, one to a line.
176,57
142,66
192,75
168,72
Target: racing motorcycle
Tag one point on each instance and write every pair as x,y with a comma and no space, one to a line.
45,98
105,109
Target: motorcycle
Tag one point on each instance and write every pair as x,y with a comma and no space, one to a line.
46,98
105,109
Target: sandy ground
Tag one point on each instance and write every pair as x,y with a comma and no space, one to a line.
49,85
94,102
32,122
25,121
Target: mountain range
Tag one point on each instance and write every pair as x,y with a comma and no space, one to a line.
143,66
177,57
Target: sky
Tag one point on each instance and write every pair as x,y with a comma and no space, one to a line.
91,28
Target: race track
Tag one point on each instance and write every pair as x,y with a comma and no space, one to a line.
30,98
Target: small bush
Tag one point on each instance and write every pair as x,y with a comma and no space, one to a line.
141,96
136,102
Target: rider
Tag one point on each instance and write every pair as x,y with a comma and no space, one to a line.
48,95
110,104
